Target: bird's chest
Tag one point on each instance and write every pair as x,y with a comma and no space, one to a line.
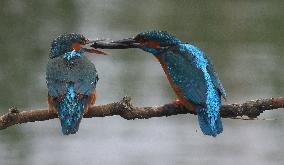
173,68
174,76
176,66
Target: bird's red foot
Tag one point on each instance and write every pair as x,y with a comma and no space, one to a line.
178,103
52,110
86,110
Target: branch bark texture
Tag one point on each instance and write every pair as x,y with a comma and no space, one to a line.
126,110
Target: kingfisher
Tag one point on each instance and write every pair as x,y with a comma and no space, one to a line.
189,71
71,80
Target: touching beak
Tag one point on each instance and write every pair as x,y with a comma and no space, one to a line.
93,50
119,44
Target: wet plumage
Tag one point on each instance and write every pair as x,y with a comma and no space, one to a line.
192,76
189,69
71,81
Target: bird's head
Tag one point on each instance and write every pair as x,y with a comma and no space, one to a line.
155,39
67,43
150,41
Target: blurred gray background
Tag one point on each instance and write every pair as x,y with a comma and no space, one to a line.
244,39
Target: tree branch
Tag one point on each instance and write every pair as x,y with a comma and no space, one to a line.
125,109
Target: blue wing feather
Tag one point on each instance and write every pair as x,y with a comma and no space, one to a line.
181,62
185,74
70,85
82,71
193,73
215,79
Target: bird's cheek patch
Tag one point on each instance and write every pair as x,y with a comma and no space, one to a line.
76,46
153,44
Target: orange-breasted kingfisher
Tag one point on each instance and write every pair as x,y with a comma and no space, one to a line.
71,80
189,71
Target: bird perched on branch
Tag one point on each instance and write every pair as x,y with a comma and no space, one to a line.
190,73
71,80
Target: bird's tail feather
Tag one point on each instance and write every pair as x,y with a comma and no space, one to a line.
70,110
210,125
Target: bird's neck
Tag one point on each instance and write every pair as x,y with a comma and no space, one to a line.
69,56
154,51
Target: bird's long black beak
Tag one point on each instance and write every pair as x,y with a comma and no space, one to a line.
119,44
92,50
